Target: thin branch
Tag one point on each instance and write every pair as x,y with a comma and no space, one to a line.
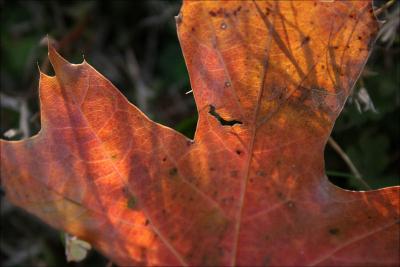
158,19
384,7
143,93
24,115
9,102
18,104
348,162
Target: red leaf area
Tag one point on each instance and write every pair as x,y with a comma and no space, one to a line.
269,79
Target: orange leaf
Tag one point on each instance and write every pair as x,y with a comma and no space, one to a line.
269,79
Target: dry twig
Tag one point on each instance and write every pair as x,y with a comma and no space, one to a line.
348,162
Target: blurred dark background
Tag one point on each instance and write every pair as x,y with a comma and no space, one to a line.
134,44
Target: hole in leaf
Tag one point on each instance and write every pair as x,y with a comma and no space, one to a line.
221,120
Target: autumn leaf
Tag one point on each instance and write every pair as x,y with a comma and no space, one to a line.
269,79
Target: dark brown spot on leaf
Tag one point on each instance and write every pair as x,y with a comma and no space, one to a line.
261,173
212,13
334,231
280,195
132,202
305,40
173,171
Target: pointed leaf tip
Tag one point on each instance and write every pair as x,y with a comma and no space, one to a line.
56,60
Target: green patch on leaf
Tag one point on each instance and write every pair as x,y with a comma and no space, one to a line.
132,202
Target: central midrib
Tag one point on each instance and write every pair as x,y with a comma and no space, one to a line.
250,156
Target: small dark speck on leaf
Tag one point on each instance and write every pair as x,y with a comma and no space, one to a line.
173,171
261,173
305,40
131,202
334,231
125,191
239,152
212,13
